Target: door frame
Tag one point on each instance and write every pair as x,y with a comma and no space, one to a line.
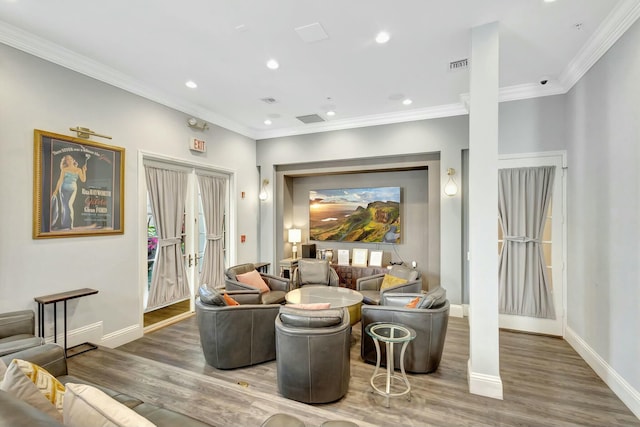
558,326
191,166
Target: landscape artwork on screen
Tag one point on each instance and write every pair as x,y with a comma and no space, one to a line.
355,215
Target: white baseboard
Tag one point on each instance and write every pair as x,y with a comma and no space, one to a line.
456,310
122,336
484,385
629,395
88,333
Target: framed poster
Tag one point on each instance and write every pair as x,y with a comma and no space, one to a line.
343,256
375,259
359,257
78,187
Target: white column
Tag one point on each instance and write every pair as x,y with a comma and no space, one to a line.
484,358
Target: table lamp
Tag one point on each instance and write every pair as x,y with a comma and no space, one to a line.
295,236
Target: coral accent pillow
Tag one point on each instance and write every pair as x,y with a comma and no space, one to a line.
253,279
229,300
85,405
390,281
413,303
312,306
35,386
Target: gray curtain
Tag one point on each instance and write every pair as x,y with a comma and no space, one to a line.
524,195
213,194
167,192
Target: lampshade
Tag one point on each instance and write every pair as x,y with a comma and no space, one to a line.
295,235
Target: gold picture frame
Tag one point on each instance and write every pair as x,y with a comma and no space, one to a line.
78,187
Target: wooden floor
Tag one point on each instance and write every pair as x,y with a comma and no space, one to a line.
165,313
545,383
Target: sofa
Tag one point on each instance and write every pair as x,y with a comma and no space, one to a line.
399,279
313,347
16,413
313,272
233,336
17,331
273,293
424,353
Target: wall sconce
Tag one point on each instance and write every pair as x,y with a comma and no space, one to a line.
295,236
451,188
263,195
194,124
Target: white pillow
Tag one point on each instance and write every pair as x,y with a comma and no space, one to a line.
35,386
85,405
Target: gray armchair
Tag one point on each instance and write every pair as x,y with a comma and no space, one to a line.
370,287
17,332
313,354
423,354
235,336
314,272
278,286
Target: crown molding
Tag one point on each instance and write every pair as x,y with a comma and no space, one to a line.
624,14
448,110
42,48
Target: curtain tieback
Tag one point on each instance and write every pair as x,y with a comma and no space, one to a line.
169,242
214,236
521,239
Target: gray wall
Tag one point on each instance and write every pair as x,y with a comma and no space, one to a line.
414,214
364,146
603,115
35,94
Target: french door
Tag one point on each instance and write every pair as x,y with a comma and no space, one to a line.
193,236
553,245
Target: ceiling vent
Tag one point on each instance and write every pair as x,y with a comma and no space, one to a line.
268,100
311,118
461,64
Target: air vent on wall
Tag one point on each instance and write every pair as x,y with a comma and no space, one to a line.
461,64
311,118
268,100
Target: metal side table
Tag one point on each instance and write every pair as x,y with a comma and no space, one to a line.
390,334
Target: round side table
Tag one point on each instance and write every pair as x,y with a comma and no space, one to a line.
390,334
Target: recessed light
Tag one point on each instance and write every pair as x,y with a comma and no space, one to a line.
267,122
331,113
382,37
272,64
191,84
407,101
549,1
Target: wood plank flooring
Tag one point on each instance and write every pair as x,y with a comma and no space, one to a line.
545,383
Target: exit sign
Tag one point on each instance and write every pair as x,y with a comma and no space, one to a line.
197,145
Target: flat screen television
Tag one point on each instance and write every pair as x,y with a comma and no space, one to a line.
370,214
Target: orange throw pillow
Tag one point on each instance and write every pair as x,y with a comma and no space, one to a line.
254,280
229,300
414,302
312,306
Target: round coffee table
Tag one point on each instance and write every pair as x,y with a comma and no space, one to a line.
336,296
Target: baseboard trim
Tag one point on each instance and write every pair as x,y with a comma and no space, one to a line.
629,395
122,336
456,310
484,385
87,333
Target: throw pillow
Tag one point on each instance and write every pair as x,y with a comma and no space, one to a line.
211,296
85,405
229,301
413,303
35,386
434,298
390,281
312,306
253,279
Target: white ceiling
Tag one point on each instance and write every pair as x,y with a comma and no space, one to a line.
152,47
